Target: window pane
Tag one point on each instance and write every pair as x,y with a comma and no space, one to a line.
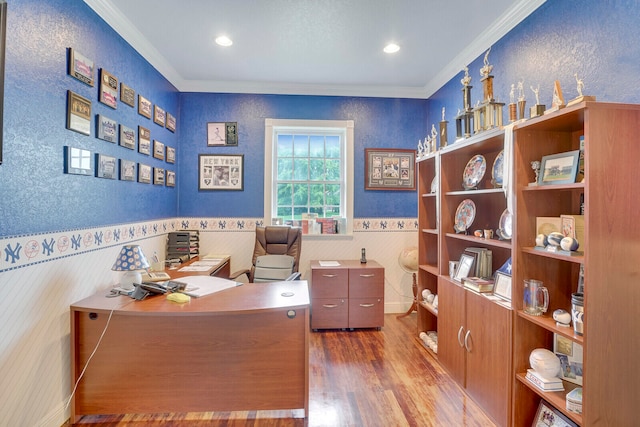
285,145
317,210
301,169
332,211
284,194
332,144
297,212
285,169
316,195
301,146
316,146
301,195
332,194
333,170
316,170
284,212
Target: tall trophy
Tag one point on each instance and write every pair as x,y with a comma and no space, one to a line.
521,101
488,114
443,131
513,108
463,119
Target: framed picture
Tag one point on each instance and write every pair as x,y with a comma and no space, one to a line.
158,150
465,266
548,416
127,170
106,167
220,172
216,134
127,95
171,155
171,179
158,176
77,161
171,123
159,116
81,67
107,128
127,137
559,168
571,358
144,173
389,169
502,286
144,107
108,89
144,140
78,113
231,129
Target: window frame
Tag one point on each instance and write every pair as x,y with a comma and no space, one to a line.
298,125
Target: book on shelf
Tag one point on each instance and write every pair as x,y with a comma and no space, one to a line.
478,284
544,384
483,260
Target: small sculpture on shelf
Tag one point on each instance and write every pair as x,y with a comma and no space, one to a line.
535,165
538,109
521,100
579,88
434,138
420,148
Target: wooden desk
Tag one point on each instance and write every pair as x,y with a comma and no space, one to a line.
223,269
244,348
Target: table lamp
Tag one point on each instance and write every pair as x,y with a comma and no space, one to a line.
131,260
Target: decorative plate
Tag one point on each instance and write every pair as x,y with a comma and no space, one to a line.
506,225
465,214
497,171
434,184
474,172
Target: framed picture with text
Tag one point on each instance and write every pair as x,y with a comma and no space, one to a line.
221,172
390,169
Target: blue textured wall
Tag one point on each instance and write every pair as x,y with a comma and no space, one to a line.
378,123
35,194
599,40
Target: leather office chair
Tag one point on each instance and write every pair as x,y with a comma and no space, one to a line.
274,240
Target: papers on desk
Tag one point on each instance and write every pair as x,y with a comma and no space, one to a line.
329,263
199,286
198,266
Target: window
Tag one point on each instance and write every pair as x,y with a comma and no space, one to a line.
308,169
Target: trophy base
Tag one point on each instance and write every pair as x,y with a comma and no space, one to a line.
554,109
581,99
537,110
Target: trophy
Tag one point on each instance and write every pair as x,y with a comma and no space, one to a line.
464,116
434,138
557,102
580,97
443,131
535,165
521,101
538,109
488,114
513,108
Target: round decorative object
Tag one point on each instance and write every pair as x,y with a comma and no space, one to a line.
434,184
541,240
497,170
426,293
545,362
408,259
569,244
505,226
465,214
562,316
430,298
554,238
474,172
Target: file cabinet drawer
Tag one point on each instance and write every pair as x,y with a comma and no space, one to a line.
329,313
366,312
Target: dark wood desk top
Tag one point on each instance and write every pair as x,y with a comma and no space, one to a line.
246,298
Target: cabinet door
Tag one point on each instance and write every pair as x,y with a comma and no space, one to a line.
366,282
451,329
329,313
366,312
329,283
489,355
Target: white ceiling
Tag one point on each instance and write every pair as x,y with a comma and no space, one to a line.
312,47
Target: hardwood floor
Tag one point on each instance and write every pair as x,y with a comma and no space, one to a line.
357,378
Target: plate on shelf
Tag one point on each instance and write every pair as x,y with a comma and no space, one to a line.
434,184
465,214
497,170
505,227
474,172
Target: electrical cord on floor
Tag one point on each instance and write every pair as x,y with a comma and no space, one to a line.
398,292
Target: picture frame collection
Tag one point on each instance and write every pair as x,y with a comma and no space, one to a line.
79,161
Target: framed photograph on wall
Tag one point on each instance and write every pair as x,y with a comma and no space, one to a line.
559,168
158,150
171,155
231,129
127,170
81,67
171,122
158,176
144,107
216,134
389,169
171,179
106,166
107,128
127,95
159,115
144,140
127,137
78,113
144,173
108,89
220,172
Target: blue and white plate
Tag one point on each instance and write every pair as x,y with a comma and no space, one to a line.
474,172
498,170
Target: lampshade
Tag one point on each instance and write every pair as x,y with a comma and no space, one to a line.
131,260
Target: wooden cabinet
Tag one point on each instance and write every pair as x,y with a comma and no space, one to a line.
350,295
610,259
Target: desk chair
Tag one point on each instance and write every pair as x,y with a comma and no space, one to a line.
274,240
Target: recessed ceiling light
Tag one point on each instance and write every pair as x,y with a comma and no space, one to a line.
391,48
224,41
